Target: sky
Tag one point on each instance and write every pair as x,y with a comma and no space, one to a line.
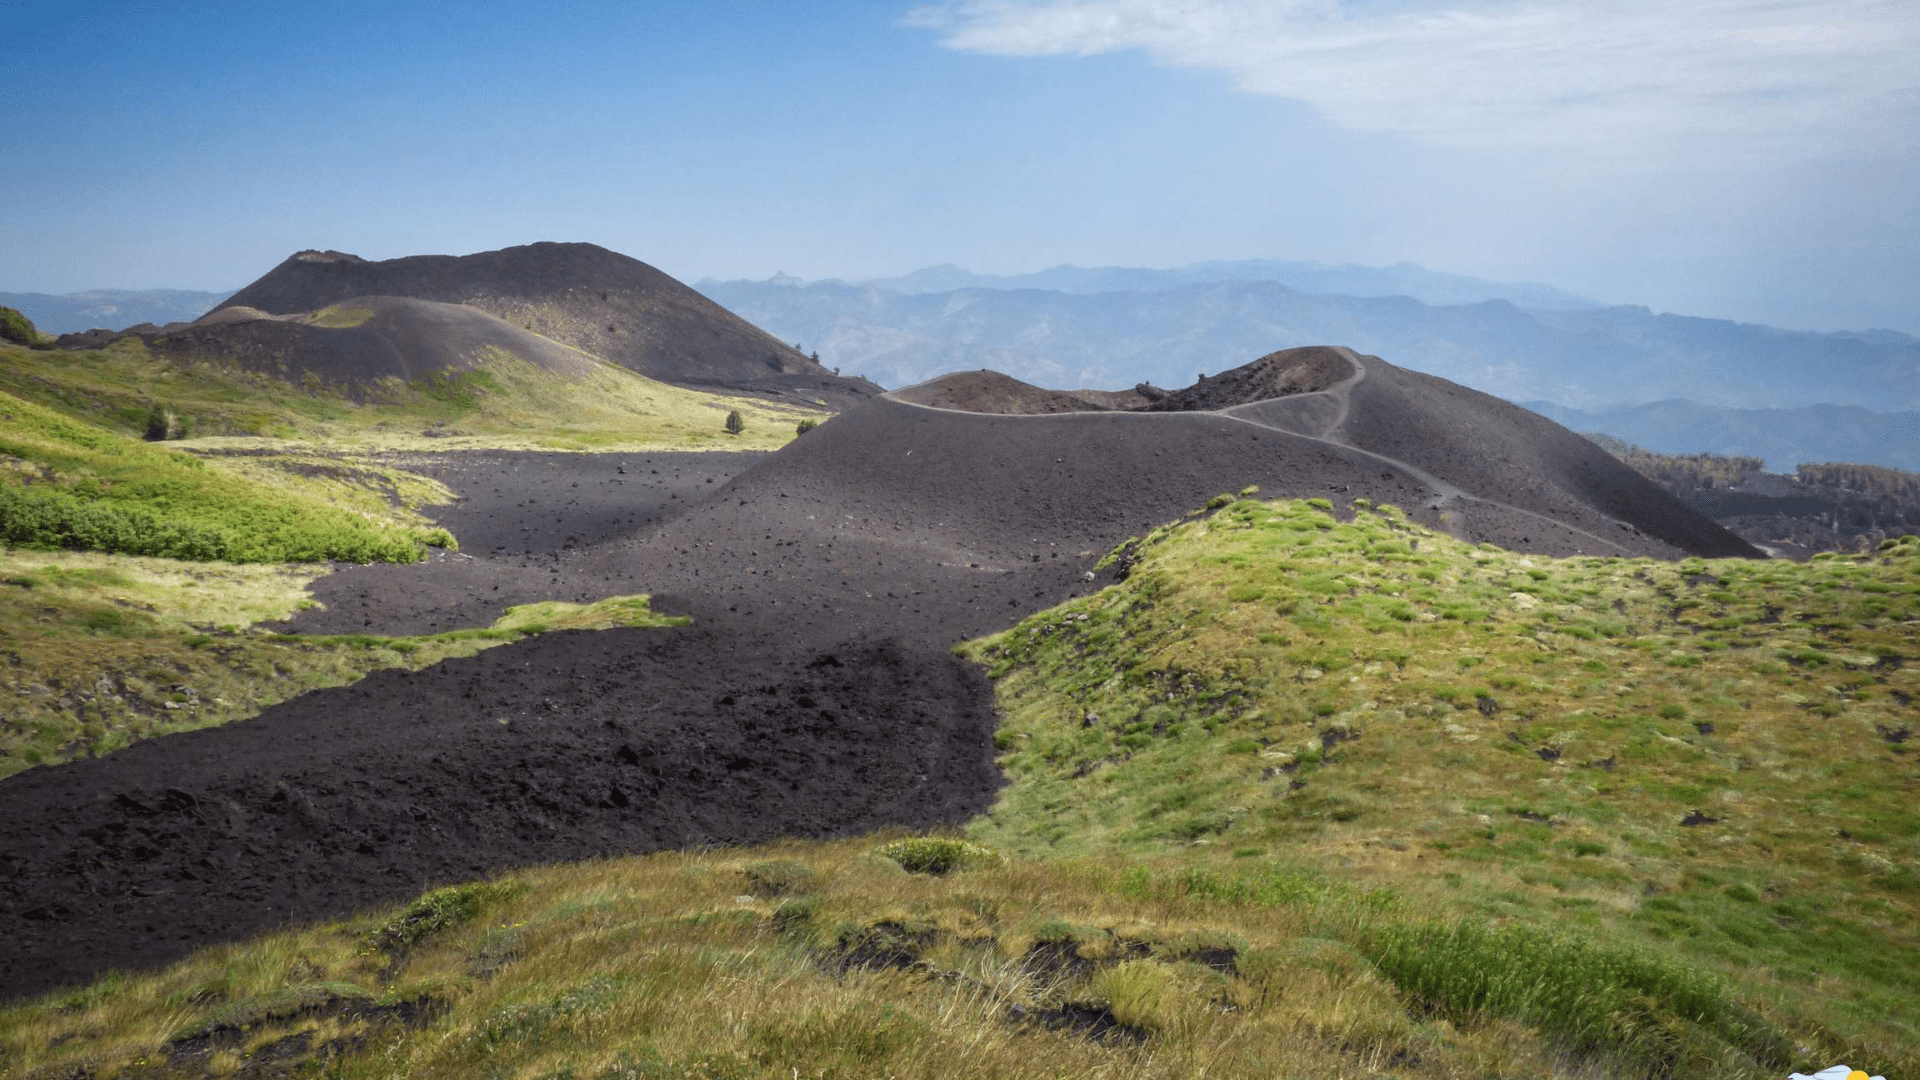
1757,160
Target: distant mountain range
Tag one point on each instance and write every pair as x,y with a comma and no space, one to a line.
111,309
1785,438
1069,327
1400,279
1585,358
1670,383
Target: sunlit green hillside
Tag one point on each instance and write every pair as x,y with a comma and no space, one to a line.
1711,757
1301,797
69,484
503,403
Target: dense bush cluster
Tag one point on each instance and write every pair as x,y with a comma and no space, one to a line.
1820,507
1684,474
17,328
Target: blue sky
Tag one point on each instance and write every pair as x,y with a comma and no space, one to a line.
1748,159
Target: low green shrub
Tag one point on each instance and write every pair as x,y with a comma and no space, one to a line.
437,911
779,877
937,854
17,328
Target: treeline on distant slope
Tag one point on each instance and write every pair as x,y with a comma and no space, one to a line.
1819,507
1683,474
1871,481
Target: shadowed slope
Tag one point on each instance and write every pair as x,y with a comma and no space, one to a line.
580,295
364,339
1479,467
1309,370
1501,452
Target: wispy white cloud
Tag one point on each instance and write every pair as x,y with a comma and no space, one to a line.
1522,72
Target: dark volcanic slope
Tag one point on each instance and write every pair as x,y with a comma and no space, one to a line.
992,392
396,338
1495,450
1502,474
1298,422
813,694
580,295
567,746
1309,370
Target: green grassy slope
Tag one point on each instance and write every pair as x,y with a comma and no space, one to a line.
1302,797
68,484
505,403
1711,757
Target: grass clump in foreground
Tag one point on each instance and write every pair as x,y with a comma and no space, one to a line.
684,965
72,485
98,651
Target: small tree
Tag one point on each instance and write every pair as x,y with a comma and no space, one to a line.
735,425
162,424
805,426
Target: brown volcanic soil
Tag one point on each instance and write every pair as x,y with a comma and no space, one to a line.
992,392
580,295
814,693
1308,370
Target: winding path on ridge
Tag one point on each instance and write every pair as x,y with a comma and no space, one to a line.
1447,496
814,692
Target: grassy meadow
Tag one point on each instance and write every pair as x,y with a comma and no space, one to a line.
1708,758
1314,792
66,484
505,403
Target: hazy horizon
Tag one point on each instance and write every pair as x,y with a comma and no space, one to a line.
1754,160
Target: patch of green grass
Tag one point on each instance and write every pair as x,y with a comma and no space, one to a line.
661,966
340,318
937,854
17,329
1622,1002
70,485
98,651
436,912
